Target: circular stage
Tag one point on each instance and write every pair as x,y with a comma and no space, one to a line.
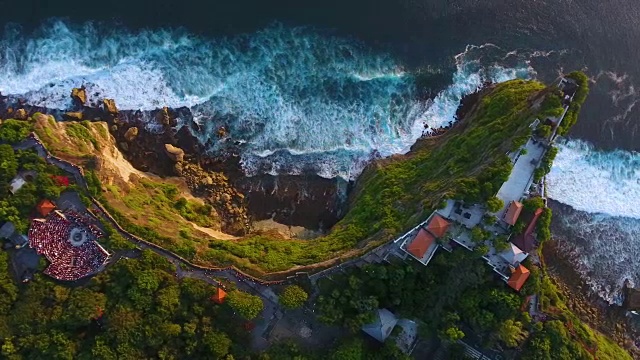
77,237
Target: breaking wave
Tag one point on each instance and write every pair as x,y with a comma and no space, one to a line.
606,182
603,226
297,98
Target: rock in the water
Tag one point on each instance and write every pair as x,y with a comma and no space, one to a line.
163,116
73,115
632,299
124,146
131,134
174,153
110,106
79,96
20,114
222,132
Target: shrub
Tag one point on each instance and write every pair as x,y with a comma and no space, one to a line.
14,131
293,297
494,204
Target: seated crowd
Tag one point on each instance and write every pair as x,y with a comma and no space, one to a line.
51,238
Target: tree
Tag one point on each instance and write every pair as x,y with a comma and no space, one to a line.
543,131
532,204
458,352
544,224
247,305
293,297
8,164
494,204
349,350
451,334
217,344
479,235
13,131
510,332
500,243
82,306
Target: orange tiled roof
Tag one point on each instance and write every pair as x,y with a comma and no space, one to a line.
518,278
219,296
45,206
438,226
421,243
512,213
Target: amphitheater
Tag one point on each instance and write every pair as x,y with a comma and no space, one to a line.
69,241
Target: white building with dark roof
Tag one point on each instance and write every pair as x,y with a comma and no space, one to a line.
513,255
382,327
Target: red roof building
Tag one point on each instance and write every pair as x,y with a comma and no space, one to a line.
45,207
512,213
421,243
527,241
518,277
438,226
219,296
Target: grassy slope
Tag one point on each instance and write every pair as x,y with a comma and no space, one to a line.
552,301
391,197
146,202
398,193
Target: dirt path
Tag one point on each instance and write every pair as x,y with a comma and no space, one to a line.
214,233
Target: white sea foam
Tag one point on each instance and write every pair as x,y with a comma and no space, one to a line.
604,249
595,181
603,230
296,98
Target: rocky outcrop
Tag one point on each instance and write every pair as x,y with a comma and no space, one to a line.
164,117
73,115
632,299
37,117
79,96
175,153
109,105
219,193
20,114
131,133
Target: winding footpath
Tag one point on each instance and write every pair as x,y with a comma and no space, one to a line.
184,268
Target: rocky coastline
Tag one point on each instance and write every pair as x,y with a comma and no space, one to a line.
163,142
614,320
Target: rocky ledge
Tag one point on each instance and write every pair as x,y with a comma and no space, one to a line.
163,142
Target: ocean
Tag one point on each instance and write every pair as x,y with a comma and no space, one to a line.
324,87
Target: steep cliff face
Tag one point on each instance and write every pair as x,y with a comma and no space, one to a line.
146,199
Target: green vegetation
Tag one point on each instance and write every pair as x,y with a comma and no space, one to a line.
81,131
13,131
544,131
543,227
248,306
579,98
349,348
545,164
456,290
18,207
143,311
386,202
494,204
565,336
293,296
456,294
